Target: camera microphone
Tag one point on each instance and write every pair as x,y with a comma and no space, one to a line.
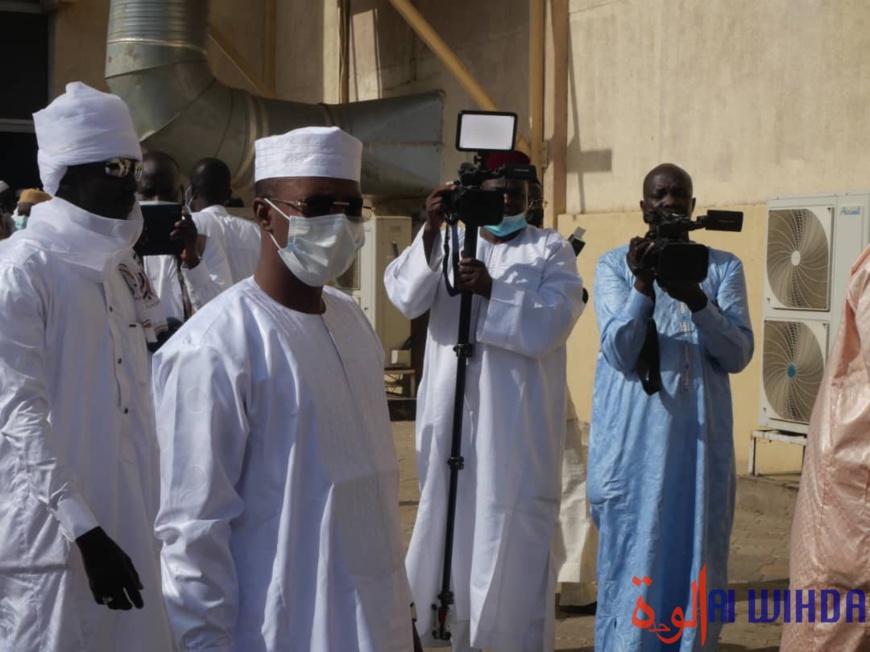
576,240
722,221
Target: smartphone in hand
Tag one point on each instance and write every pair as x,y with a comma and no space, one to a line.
160,222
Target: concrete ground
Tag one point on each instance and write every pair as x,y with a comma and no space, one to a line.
759,552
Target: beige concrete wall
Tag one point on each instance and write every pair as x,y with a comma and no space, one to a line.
754,98
489,36
303,50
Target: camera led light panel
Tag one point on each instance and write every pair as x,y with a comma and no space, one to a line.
486,131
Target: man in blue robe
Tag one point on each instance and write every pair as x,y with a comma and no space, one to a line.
661,477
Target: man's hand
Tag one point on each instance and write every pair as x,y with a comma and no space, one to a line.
638,256
110,571
474,276
689,293
185,230
435,207
434,217
638,262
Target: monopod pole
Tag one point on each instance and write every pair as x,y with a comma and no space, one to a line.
464,349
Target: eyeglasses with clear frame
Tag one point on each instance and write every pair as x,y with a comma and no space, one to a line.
123,167
320,205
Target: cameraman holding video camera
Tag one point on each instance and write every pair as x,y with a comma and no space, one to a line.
661,456
527,298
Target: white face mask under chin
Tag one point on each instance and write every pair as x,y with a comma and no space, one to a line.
319,249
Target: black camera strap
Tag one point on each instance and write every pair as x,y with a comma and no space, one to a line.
451,257
649,362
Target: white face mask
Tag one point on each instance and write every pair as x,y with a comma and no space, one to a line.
319,249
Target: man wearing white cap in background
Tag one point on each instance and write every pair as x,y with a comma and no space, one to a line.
280,485
210,190
78,452
187,281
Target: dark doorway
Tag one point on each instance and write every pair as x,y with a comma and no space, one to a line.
24,73
18,160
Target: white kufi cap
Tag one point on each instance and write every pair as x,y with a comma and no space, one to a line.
82,126
309,152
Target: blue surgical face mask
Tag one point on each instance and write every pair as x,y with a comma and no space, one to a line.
509,224
20,220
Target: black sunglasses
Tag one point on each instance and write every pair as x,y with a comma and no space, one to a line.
319,205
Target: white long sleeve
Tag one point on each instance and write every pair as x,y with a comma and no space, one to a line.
412,281
214,254
201,284
202,431
532,313
24,404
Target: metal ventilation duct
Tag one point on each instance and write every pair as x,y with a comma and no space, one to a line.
156,61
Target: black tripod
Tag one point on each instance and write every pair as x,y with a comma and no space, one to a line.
464,349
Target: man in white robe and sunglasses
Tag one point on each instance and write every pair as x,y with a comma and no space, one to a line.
280,486
78,449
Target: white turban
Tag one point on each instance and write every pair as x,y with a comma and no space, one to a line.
309,152
82,126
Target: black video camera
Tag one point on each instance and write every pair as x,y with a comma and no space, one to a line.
673,259
483,132
475,207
